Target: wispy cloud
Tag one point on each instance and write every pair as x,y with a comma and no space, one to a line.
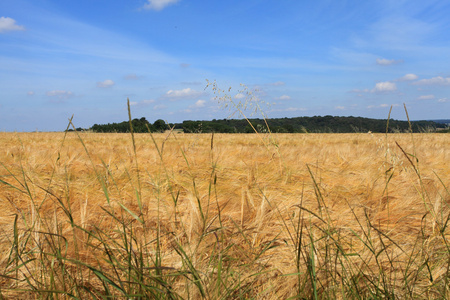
9,24
426,97
105,84
158,4
159,107
359,91
59,94
71,37
131,77
442,100
142,103
388,62
384,105
296,109
182,94
278,83
30,93
399,31
434,81
289,109
283,97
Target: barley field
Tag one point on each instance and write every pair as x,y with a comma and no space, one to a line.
225,216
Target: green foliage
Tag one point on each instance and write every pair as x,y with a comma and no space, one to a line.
316,124
159,125
139,126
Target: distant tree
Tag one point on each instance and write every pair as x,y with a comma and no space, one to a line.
279,129
248,129
261,128
289,128
159,125
298,124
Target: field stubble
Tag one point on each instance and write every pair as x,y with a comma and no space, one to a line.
223,216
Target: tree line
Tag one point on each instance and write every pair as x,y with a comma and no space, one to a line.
316,124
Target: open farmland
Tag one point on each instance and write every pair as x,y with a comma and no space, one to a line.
224,216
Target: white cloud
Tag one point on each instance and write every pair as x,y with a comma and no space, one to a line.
184,93
408,77
239,96
434,81
158,4
426,97
59,94
442,100
283,97
387,62
30,93
8,24
105,84
380,87
385,86
200,103
340,107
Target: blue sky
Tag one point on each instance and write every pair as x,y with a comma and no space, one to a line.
304,58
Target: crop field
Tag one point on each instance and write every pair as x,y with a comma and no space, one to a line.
225,216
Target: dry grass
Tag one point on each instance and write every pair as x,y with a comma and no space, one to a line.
187,216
